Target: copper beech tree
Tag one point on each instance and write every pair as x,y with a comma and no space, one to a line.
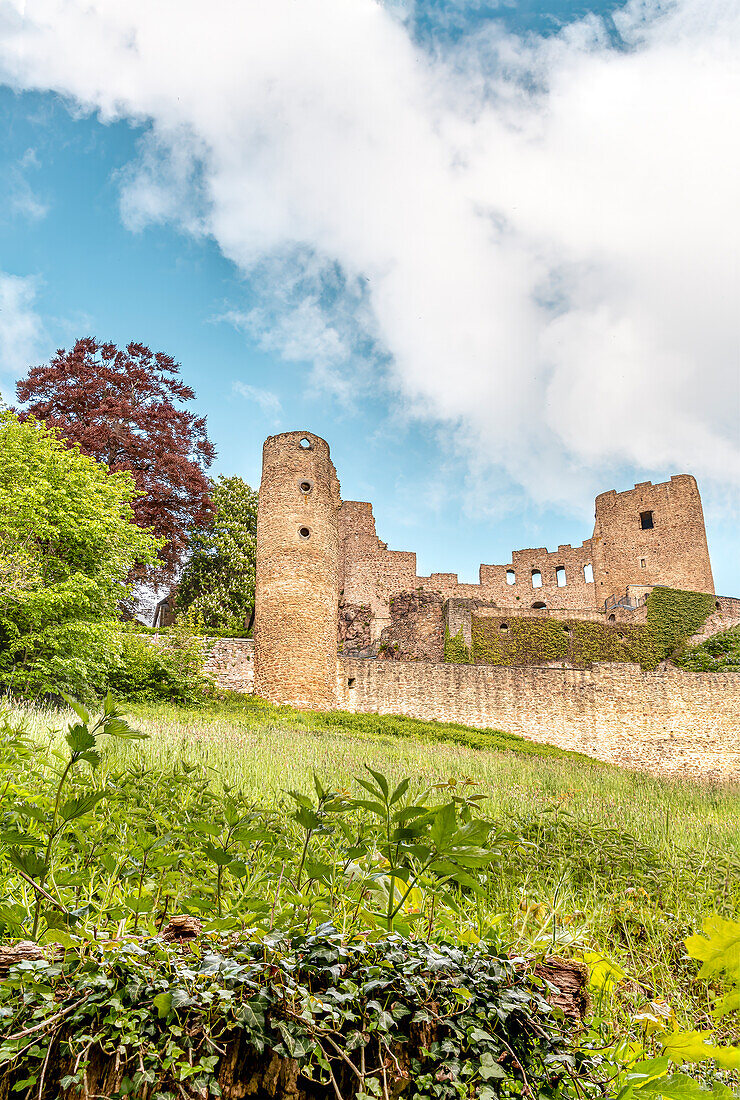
124,407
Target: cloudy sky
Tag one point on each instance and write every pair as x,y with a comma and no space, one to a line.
488,250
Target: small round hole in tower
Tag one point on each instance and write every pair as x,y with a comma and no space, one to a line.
304,532
306,486
306,444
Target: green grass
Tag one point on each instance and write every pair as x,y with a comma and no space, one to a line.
615,861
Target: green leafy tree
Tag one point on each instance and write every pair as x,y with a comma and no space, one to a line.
68,542
217,583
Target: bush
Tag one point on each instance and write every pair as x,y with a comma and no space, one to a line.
169,666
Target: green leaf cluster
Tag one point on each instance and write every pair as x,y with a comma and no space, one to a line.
394,1017
68,543
455,650
720,653
672,616
217,582
718,949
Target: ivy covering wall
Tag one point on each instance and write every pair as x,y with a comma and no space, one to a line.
672,616
456,652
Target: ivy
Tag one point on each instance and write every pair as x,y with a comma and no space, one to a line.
508,640
720,653
358,1019
674,615
455,651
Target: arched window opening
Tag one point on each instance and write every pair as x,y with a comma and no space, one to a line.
504,627
588,573
612,618
560,576
540,605
510,576
536,579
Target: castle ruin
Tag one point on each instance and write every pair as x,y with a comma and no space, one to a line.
332,601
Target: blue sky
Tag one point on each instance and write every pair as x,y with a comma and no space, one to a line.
447,237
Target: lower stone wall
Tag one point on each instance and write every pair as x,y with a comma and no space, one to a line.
230,662
665,721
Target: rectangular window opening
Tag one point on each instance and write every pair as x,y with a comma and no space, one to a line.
646,521
642,563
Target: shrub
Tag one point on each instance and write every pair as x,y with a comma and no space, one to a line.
168,666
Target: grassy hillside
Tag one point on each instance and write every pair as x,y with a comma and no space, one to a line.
591,861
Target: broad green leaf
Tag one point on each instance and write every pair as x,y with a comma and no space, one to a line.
82,713
163,1003
444,826
696,1046
380,779
602,973
79,738
400,791
679,1086
77,807
718,949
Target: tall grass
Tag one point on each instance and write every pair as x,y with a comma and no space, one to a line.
615,862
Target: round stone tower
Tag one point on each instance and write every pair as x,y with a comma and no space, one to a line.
296,597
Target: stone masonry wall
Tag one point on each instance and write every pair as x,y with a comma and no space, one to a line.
297,576
230,662
619,554
416,628
673,552
667,721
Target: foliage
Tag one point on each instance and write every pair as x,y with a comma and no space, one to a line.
672,616
47,817
218,579
455,651
508,640
193,822
168,665
719,952
362,1019
68,541
720,653
123,407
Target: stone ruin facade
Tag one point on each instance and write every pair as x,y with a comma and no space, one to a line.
325,578
342,621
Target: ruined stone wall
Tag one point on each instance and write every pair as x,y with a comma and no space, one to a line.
296,593
230,662
726,615
416,628
673,552
666,721
574,578
371,574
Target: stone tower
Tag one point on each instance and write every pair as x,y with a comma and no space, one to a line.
652,534
296,597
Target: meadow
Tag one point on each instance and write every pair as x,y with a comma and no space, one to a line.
252,816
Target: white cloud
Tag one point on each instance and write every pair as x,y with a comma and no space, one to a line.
538,239
17,197
269,402
20,329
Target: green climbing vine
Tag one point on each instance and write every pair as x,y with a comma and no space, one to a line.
456,652
672,617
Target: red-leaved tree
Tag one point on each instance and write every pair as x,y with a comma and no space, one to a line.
124,407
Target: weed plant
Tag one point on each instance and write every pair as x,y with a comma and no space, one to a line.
266,818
